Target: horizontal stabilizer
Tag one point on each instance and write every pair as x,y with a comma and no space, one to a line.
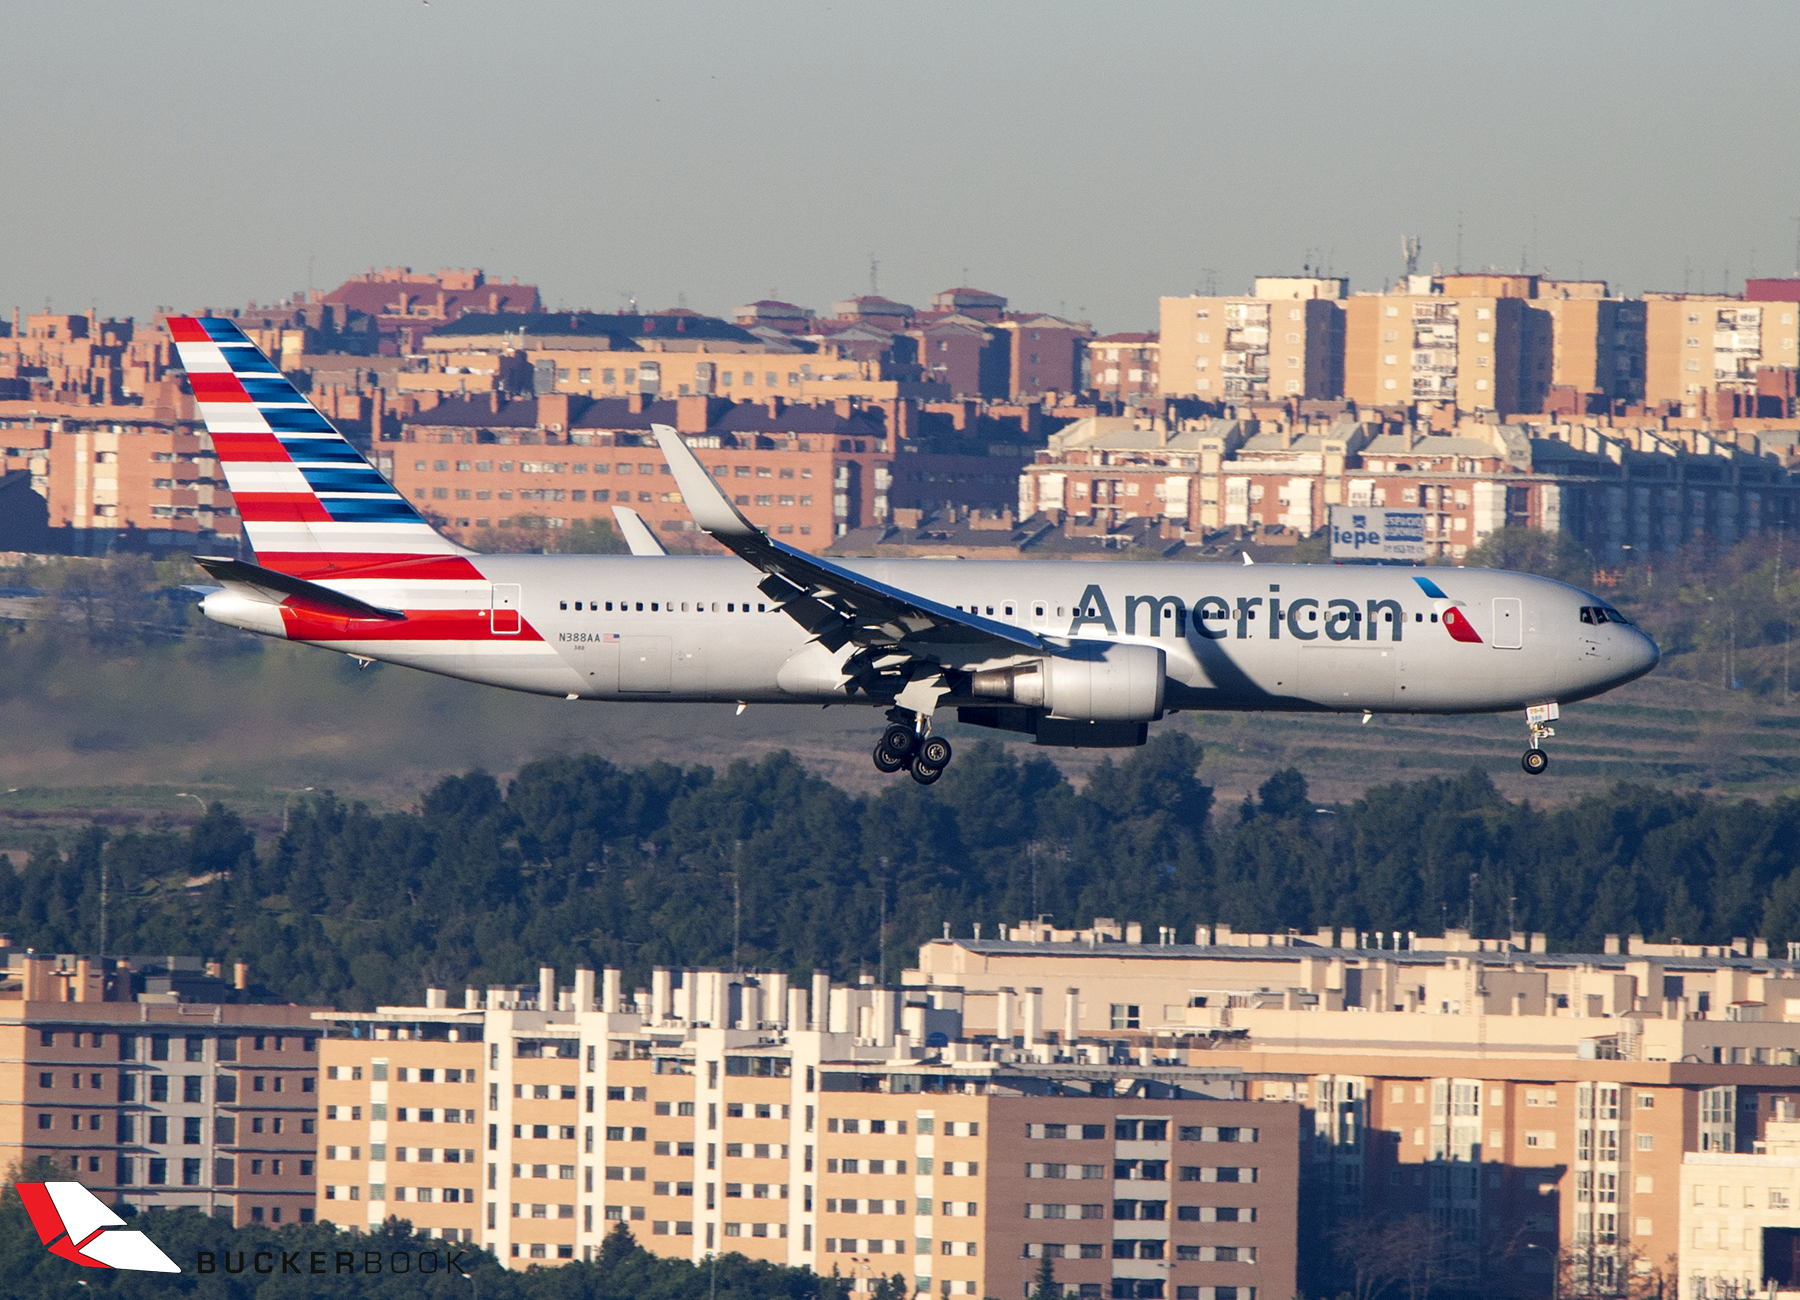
239,573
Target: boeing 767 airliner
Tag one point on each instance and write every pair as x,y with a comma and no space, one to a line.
1070,653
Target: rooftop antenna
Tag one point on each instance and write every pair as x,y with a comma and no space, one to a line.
1409,249
874,276
1459,233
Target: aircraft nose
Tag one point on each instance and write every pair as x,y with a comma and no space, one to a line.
1640,654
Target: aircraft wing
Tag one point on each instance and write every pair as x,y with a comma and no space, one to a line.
636,532
834,604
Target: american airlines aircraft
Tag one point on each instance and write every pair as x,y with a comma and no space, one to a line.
1071,653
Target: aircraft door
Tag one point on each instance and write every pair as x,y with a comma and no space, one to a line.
504,619
1509,620
644,663
1040,614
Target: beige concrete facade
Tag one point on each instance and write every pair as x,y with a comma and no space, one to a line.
715,1112
1251,349
1597,346
1464,353
1697,347
1522,1096
1740,1214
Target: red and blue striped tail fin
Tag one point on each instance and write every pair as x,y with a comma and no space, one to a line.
311,504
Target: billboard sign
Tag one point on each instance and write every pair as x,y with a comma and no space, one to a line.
1376,533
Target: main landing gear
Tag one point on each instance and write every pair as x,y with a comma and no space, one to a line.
901,746
1538,717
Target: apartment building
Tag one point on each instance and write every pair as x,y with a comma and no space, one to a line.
1597,344
1285,340
807,473
115,1072
850,1130
1282,478
156,478
1463,342
1044,355
403,307
956,352
772,313
595,354
1568,1102
1609,483
1699,349
1740,1213
1124,368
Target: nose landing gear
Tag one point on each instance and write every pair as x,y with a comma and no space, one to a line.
902,747
1538,717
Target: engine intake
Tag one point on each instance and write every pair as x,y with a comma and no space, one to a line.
1091,680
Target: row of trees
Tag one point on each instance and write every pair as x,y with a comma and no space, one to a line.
579,861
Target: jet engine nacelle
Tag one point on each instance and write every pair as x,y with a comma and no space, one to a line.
1091,680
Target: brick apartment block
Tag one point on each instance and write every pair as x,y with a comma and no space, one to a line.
807,473
129,1081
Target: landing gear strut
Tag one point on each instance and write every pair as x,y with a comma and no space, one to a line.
1538,717
902,746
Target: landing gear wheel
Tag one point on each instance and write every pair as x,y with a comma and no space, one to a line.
885,760
1534,761
924,773
899,740
935,752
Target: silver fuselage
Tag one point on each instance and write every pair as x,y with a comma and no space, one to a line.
698,630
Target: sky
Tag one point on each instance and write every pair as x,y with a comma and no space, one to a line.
1082,159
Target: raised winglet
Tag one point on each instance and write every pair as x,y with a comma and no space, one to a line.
706,501
636,532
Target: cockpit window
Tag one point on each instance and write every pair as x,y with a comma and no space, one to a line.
1597,614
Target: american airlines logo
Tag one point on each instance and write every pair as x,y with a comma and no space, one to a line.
74,1224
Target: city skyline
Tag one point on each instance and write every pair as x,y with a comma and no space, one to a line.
607,156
